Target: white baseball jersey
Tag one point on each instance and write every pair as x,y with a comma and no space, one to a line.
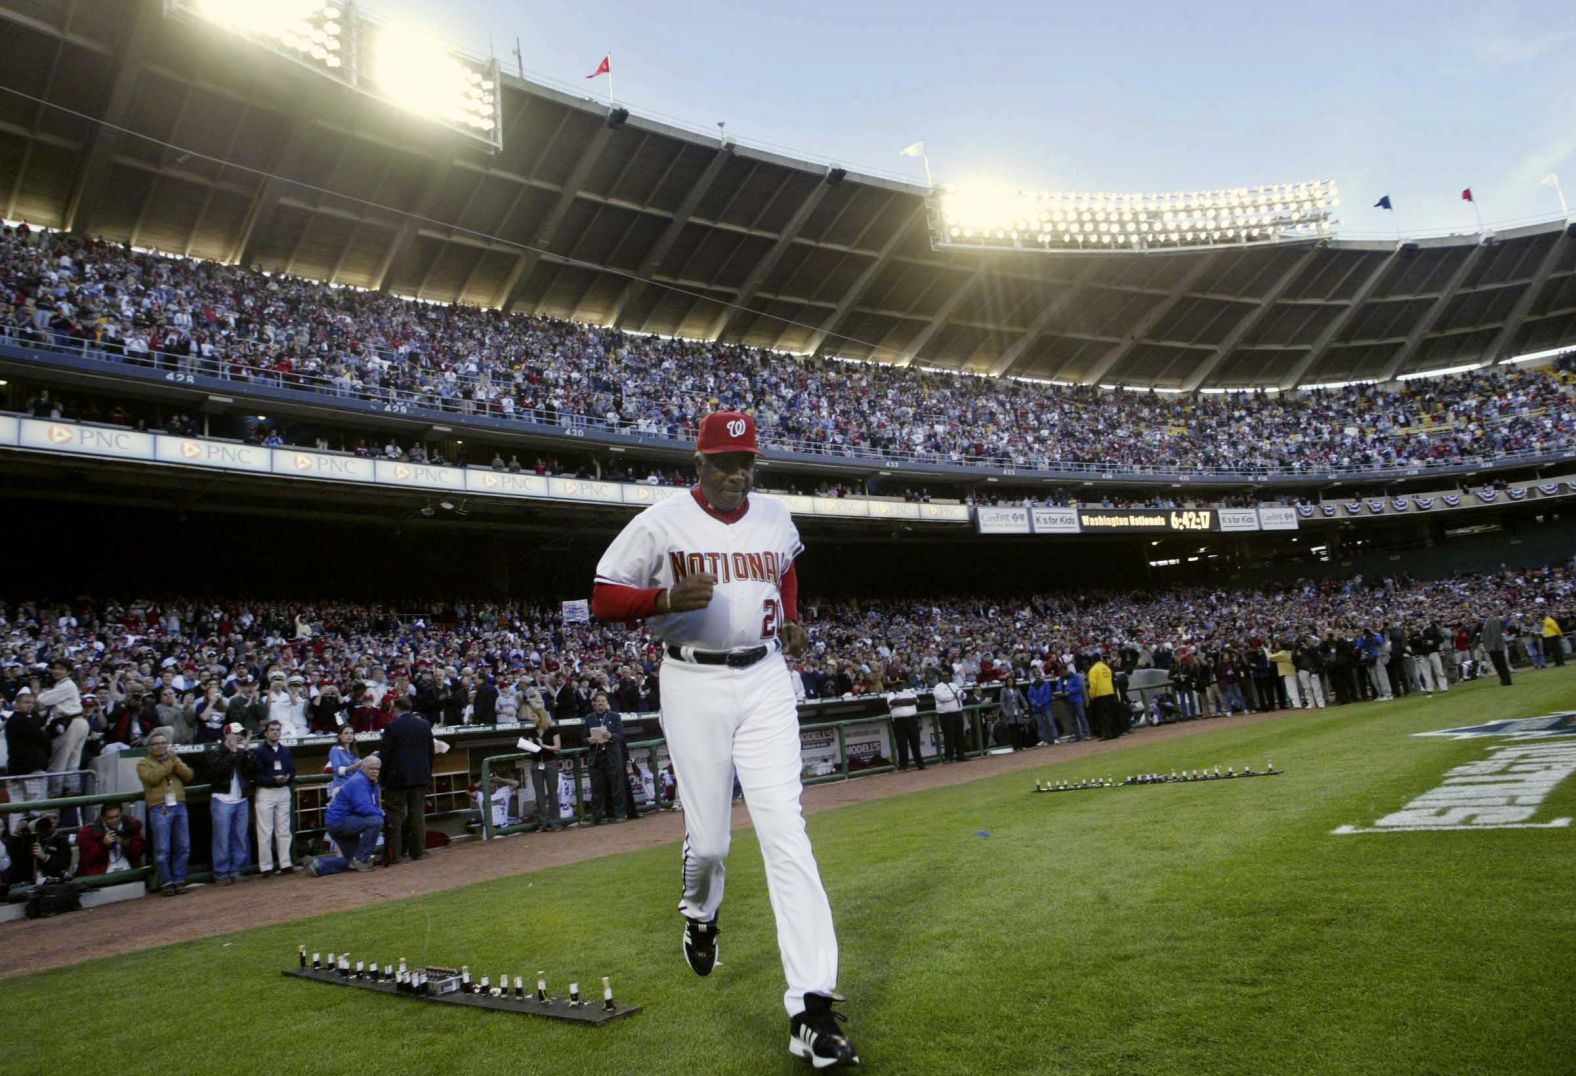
676,538
720,721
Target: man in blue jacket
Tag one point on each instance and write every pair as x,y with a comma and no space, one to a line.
1070,688
1040,707
354,822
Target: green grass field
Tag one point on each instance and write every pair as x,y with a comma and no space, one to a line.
1197,928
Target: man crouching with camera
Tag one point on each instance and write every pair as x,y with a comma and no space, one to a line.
111,844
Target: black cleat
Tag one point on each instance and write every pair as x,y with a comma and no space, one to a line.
815,1036
700,945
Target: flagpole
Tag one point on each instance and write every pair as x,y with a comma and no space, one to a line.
1478,213
610,81
1554,181
929,185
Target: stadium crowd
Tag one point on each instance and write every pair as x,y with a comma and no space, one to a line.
193,665
81,677
190,316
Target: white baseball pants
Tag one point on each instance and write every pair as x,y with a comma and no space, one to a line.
1312,685
1293,698
719,720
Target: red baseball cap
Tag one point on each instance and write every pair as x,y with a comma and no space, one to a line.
726,431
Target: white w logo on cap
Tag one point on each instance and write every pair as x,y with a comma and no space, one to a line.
736,427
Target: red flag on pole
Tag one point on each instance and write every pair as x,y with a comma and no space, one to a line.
603,68
1466,195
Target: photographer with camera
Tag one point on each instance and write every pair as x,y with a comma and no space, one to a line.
164,777
329,712
113,843
232,775
39,853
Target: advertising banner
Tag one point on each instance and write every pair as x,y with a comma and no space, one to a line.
423,475
1277,518
1239,519
584,489
194,452
1002,520
300,463
1054,520
111,441
505,483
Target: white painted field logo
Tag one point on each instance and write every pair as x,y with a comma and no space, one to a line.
1503,791
1516,728
736,427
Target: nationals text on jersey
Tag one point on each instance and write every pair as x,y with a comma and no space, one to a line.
727,567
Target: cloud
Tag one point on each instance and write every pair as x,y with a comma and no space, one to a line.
1506,50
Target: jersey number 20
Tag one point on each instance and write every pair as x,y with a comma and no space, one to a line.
772,617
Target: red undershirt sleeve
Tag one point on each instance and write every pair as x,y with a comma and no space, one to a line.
789,588
610,601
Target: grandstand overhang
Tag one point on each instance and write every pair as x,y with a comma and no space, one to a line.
117,122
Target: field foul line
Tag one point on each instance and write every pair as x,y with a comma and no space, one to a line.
1342,831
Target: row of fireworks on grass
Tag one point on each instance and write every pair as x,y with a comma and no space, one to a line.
434,981
1174,777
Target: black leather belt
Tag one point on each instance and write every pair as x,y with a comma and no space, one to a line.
733,659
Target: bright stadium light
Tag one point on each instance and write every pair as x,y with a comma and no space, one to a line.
412,71
978,215
311,32
409,70
393,62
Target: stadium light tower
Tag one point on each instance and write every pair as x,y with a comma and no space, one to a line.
998,218
405,68
391,61
310,32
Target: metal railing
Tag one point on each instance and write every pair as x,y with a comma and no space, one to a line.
102,799
227,372
578,776
844,771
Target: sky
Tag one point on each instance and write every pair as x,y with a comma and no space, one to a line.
1412,100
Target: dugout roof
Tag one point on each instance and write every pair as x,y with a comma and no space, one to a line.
657,229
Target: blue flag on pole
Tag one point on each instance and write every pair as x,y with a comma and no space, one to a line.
1384,203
